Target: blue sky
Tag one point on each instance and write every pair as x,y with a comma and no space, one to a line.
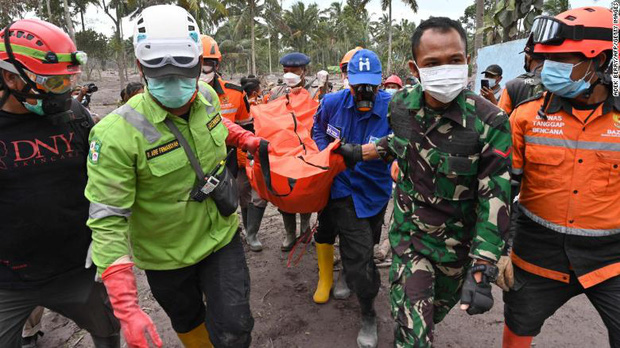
96,19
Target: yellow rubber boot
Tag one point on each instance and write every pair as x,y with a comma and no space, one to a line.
325,256
197,338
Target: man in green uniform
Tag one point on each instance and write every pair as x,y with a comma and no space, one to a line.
149,208
451,204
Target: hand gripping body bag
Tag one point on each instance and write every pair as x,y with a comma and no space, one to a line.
294,176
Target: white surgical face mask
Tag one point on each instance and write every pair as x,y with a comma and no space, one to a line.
208,77
291,79
492,82
444,82
391,91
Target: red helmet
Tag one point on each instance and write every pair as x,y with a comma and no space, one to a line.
40,47
586,30
395,80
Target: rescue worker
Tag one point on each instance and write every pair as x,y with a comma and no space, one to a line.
162,198
294,66
344,66
235,107
322,78
43,146
452,198
392,84
493,76
359,195
130,90
526,85
566,156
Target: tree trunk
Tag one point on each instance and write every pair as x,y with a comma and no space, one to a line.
389,62
49,11
122,62
68,20
479,24
82,19
253,44
269,49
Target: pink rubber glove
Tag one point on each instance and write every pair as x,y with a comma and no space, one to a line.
120,282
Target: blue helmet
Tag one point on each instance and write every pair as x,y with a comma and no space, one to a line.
295,59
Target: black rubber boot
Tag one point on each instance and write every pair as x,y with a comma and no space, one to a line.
244,217
113,341
254,219
367,336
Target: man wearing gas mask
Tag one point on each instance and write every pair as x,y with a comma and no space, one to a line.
44,241
451,206
359,195
162,198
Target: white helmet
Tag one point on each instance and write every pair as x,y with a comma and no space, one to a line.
166,41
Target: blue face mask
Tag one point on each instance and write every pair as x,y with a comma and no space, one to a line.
391,91
556,78
36,108
172,92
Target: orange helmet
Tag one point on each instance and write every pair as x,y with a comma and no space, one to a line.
347,57
587,30
210,50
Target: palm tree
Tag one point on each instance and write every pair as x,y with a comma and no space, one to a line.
302,21
387,4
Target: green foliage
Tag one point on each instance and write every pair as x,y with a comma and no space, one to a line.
96,45
555,7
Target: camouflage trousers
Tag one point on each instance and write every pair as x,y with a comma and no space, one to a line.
421,295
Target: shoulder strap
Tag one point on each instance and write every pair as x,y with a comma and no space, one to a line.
188,150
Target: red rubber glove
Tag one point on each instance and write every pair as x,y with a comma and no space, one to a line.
120,282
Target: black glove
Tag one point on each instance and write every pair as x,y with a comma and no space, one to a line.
352,153
478,295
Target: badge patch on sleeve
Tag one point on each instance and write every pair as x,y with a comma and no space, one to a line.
162,149
214,122
93,152
333,131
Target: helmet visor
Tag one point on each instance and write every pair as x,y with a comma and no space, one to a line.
57,84
157,53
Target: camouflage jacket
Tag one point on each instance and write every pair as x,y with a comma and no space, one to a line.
452,197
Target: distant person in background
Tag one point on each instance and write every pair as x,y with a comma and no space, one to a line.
524,86
493,75
344,66
393,84
322,78
130,90
253,90
411,81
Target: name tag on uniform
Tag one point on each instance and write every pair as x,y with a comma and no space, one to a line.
372,139
333,131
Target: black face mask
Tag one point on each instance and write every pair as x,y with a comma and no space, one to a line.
364,97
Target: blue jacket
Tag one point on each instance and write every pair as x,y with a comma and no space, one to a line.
370,183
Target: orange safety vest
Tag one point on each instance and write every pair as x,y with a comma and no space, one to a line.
293,175
569,161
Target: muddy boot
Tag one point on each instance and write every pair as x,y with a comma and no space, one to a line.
341,290
367,337
254,218
113,341
304,222
325,258
290,235
197,338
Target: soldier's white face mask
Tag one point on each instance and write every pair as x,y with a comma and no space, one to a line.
291,79
444,82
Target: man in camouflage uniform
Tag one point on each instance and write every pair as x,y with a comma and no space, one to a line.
453,191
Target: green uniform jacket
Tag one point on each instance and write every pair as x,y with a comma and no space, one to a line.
452,198
139,180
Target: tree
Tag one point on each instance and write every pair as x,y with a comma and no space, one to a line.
555,7
479,25
116,10
302,22
68,21
387,4
96,45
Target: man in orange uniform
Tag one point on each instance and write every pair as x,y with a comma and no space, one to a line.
567,158
236,108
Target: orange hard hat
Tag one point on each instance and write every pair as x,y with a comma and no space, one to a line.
586,30
210,50
347,57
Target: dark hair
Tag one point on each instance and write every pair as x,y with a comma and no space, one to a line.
251,85
442,24
131,89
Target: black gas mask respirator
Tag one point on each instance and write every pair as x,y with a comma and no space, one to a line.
364,97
